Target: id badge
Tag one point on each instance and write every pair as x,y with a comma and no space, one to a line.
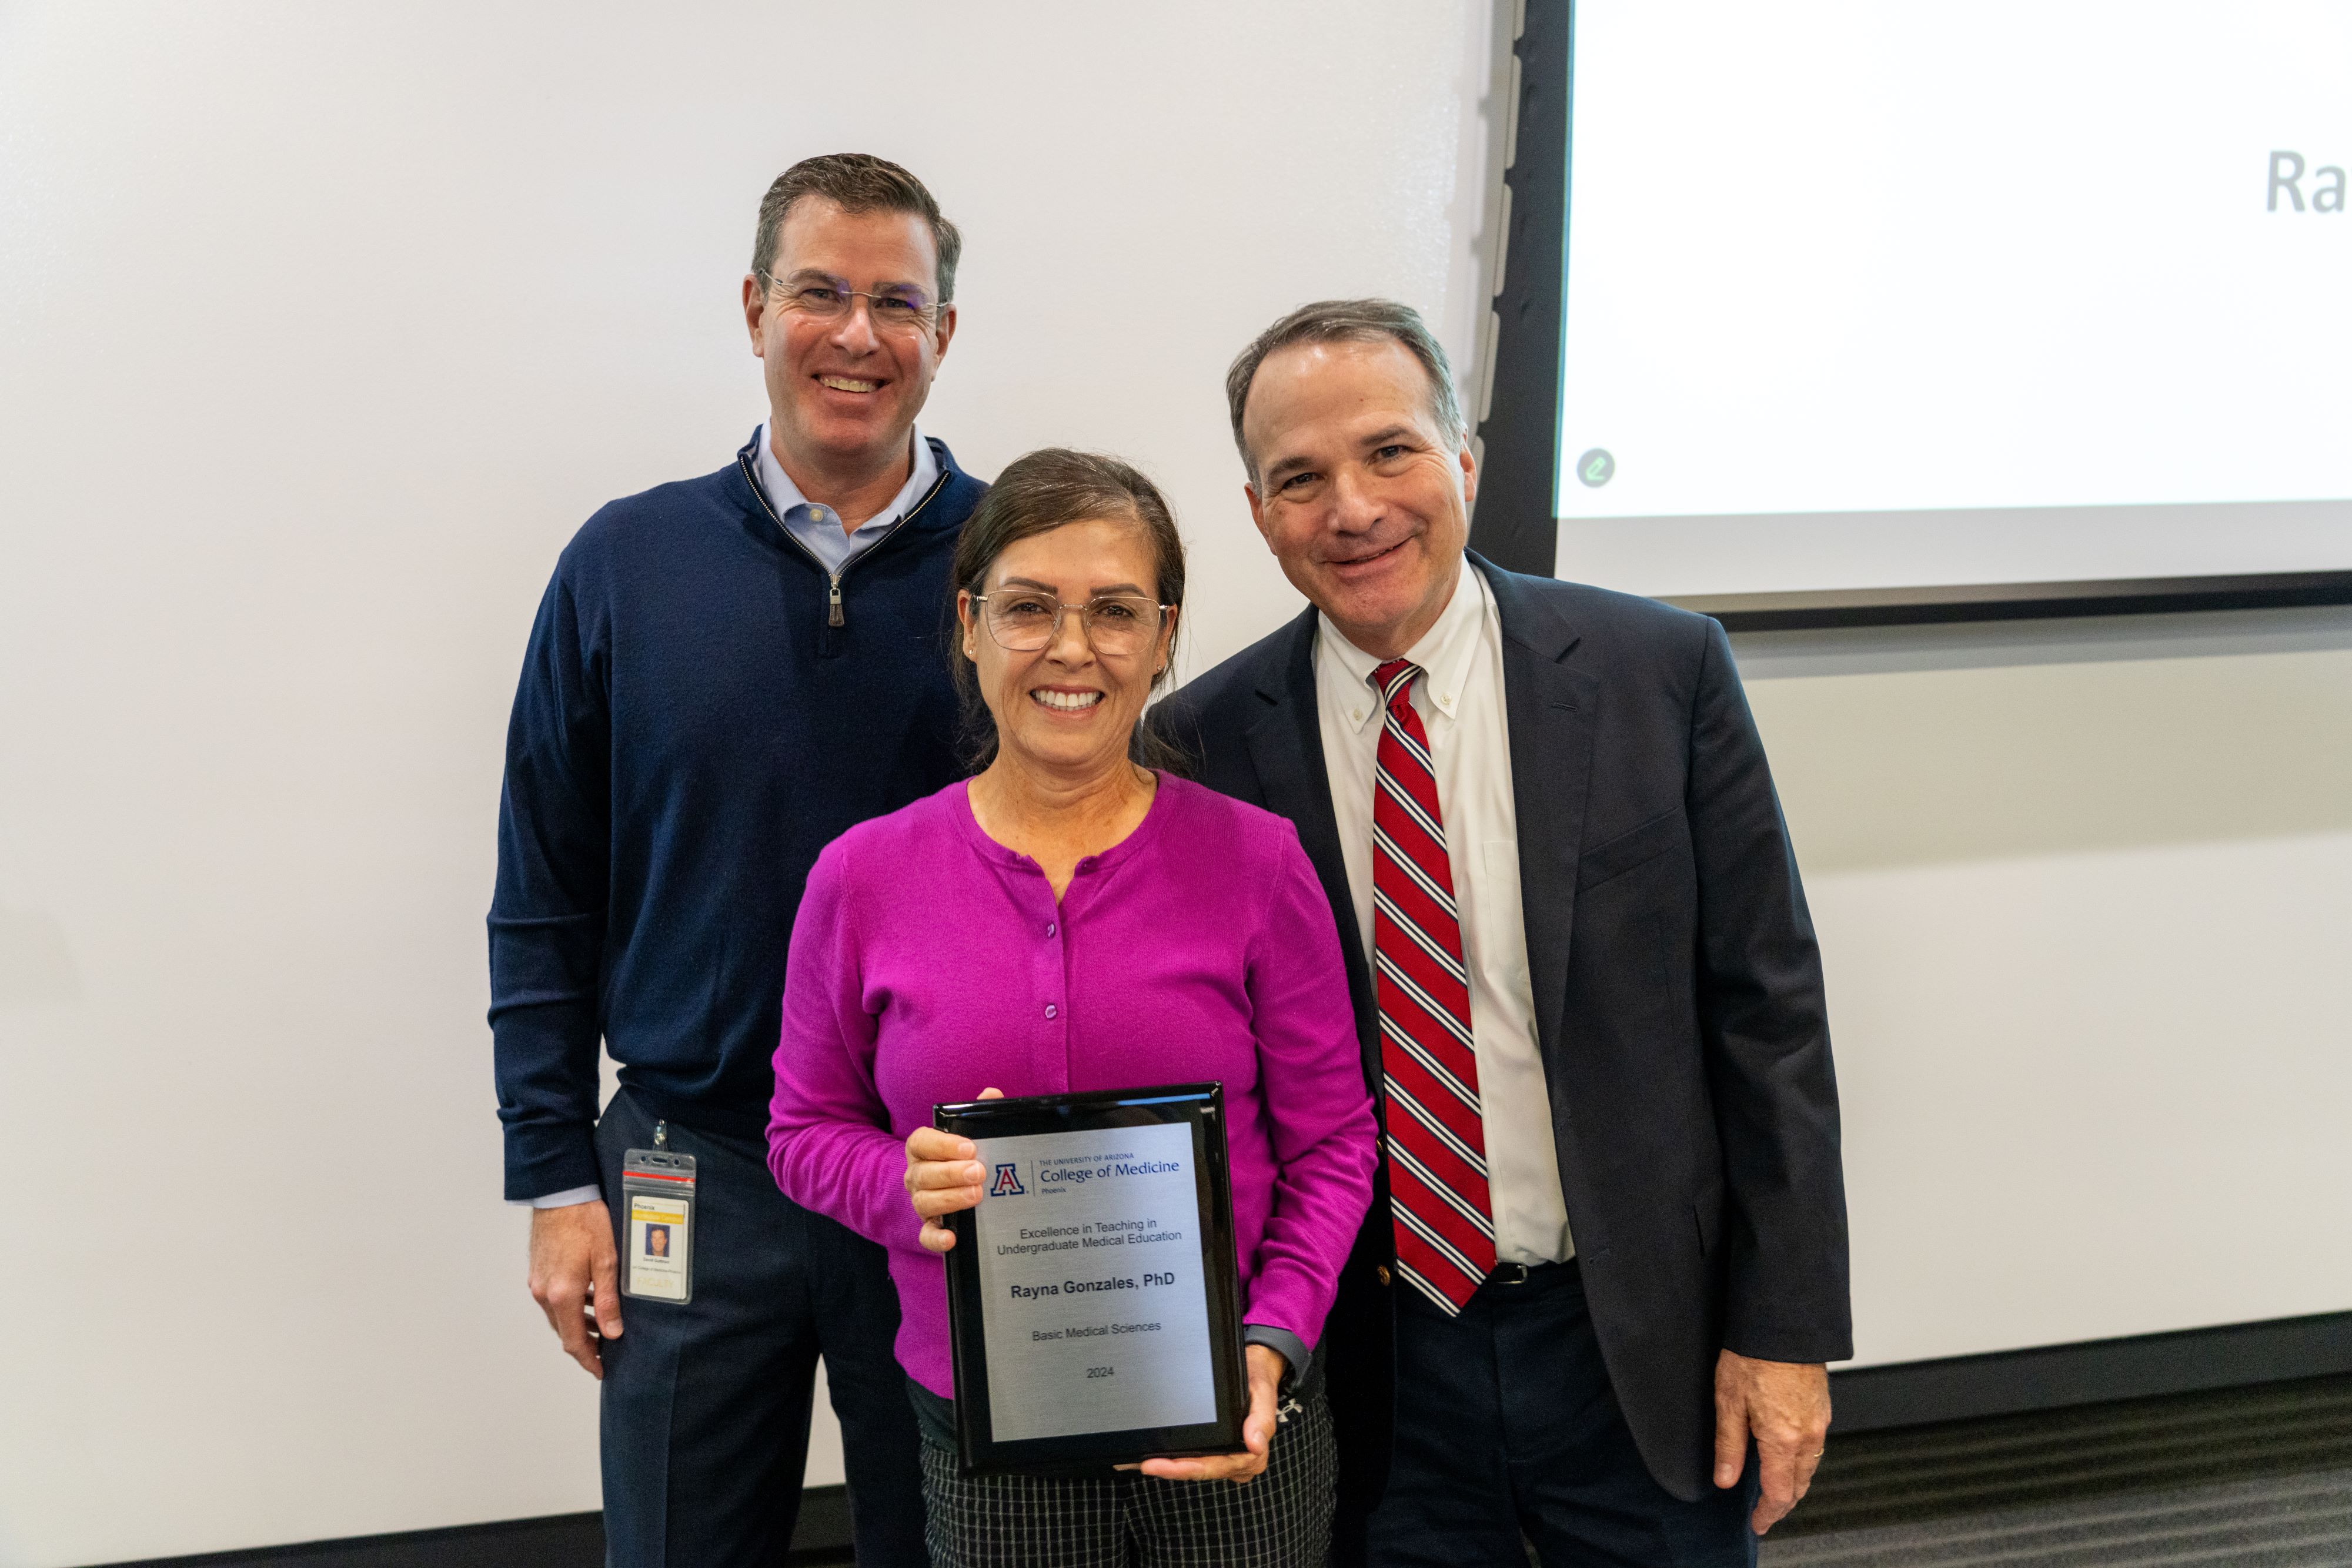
658,1188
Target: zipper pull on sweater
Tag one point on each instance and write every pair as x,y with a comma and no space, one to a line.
833,602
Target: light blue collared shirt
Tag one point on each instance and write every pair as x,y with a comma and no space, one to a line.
819,528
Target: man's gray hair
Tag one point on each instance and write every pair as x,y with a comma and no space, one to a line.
1349,321
859,183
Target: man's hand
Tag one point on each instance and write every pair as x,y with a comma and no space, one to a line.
1266,1366
1785,1407
573,1267
943,1175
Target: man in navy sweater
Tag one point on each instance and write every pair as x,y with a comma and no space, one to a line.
726,674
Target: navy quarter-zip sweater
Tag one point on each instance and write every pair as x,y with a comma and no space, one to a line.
696,720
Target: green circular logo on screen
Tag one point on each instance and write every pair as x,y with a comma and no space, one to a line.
1596,468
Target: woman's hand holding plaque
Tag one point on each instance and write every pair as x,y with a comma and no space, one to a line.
1266,1366
943,1175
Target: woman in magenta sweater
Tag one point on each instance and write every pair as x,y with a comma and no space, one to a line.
1069,919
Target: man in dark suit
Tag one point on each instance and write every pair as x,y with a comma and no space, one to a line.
1607,1261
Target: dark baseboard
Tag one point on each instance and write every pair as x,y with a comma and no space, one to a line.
558,1541
1909,1394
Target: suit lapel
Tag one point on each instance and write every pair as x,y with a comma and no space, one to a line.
1553,710
1285,747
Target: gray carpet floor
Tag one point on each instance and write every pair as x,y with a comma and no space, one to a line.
2287,1522
2260,1477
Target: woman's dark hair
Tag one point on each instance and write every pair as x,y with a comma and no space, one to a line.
1036,494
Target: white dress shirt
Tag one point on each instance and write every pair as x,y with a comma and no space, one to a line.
819,529
1459,697
819,526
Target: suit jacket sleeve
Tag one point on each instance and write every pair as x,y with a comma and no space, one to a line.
1764,1028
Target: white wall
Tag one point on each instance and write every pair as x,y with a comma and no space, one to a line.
2084,896
321,327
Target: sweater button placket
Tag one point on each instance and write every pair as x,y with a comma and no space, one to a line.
1053,980
1057,985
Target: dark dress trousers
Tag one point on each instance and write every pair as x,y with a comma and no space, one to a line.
1677,996
704,1420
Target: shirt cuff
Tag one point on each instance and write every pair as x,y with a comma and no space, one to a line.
564,1199
1294,1349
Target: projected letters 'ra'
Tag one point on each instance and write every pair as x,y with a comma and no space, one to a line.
2286,179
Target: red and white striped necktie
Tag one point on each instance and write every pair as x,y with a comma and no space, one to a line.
1436,1132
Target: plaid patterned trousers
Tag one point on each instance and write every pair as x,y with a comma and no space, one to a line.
1281,1519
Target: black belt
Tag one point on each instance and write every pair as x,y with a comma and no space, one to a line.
1525,1273
1503,1273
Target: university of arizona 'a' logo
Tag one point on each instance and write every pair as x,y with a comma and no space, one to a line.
1008,1181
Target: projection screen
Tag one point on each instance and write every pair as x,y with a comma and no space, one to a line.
1864,306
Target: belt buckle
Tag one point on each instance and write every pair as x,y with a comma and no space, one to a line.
1511,1274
